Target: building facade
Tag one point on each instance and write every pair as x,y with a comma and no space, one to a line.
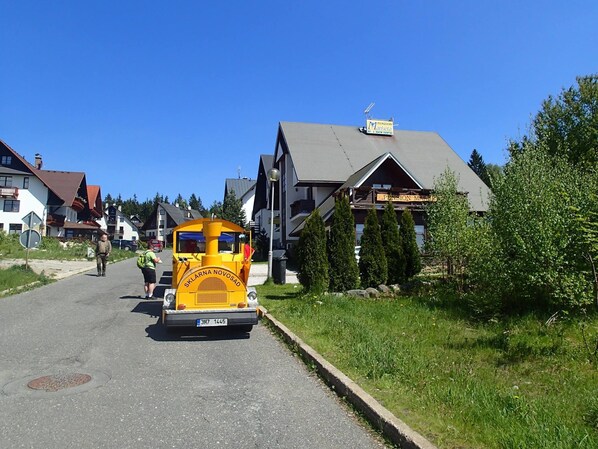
318,162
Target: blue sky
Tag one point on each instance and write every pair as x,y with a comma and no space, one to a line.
176,96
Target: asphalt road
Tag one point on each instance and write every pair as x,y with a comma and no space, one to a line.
147,388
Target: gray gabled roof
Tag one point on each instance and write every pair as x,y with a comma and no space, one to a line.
332,153
240,186
180,215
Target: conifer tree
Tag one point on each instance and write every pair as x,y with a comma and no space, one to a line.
313,263
343,270
389,230
477,164
409,245
232,209
372,260
196,204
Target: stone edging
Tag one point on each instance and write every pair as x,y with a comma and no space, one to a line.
380,418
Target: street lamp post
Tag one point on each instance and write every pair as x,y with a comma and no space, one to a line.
273,176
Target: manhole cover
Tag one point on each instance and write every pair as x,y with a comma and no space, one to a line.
59,382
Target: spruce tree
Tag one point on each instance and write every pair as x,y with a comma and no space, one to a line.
373,267
477,164
343,270
389,230
409,245
313,263
232,209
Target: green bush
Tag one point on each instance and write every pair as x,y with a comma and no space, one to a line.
313,263
409,245
343,270
373,266
530,216
50,244
391,242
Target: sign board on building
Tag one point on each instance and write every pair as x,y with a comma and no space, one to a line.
404,198
380,127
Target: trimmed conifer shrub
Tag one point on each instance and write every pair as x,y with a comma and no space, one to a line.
373,267
409,244
343,270
313,263
389,231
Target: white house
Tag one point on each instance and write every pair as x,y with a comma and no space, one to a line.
118,225
59,198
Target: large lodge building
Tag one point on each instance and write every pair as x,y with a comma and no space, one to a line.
371,165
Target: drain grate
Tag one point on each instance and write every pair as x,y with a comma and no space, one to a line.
59,382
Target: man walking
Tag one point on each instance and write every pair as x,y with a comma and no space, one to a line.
149,273
103,249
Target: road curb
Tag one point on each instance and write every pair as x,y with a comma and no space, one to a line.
380,418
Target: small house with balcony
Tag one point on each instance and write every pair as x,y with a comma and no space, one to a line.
318,162
59,198
164,218
118,225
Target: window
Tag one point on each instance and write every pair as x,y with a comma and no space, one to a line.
121,230
11,205
121,219
1,226
382,186
5,181
26,182
15,228
6,160
358,233
419,235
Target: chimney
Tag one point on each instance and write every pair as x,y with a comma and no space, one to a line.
38,161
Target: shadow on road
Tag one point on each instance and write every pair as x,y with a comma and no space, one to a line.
151,308
158,332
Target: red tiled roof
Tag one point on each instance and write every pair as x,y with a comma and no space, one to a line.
95,200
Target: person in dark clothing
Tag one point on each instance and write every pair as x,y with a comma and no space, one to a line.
103,249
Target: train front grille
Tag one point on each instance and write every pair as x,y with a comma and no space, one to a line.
211,291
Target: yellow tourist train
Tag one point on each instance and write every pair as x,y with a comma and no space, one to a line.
211,259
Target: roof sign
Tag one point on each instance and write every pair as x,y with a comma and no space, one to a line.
379,127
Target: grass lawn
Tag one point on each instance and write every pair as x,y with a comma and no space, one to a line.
18,276
50,249
515,384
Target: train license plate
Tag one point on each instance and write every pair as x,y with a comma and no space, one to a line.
211,322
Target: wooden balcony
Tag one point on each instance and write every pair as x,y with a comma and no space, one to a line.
9,192
302,208
78,205
366,198
55,220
